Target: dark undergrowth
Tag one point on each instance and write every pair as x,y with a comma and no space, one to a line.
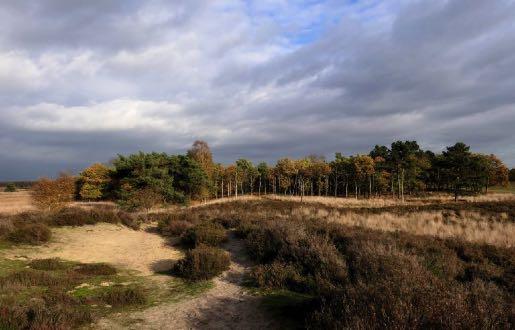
55,294
342,277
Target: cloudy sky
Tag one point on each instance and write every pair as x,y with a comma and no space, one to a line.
81,81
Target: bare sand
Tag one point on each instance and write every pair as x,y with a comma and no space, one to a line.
141,250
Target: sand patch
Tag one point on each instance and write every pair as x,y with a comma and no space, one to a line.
118,245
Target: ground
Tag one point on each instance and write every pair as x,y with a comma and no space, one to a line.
227,303
143,250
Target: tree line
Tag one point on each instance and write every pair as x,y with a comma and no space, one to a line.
142,180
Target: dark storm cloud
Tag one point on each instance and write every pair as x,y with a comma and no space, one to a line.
81,81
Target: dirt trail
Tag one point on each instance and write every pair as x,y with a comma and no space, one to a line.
226,306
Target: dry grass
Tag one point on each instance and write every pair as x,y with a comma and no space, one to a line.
479,221
16,202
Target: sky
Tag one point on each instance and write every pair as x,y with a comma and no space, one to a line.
83,81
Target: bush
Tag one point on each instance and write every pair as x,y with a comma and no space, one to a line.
42,314
77,216
30,233
176,228
52,195
129,220
96,269
202,263
73,216
10,187
205,233
278,276
48,264
118,296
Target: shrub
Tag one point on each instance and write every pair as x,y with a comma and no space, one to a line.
40,314
278,276
48,264
73,216
50,194
30,233
29,278
10,187
96,269
129,220
118,296
205,233
228,222
176,228
202,263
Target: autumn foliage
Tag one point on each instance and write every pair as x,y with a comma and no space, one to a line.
53,195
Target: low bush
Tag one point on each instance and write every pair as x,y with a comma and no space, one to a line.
130,220
208,233
95,269
119,295
42,314
228,222
28,278
278,276
363,278
176,228
202,263
30,233
48,264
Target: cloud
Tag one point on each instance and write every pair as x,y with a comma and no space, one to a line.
81,81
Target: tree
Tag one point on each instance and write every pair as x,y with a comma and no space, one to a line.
263,175
457,162
10,187
285,171
52,195
94,181
512,175
363,171
404,158
498,173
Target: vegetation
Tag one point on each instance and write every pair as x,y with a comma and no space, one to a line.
208,233
93,182
51,294
10,187
146,180
34,227
351,277
202,263
52,195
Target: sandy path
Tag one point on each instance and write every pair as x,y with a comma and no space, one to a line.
141,250
226,306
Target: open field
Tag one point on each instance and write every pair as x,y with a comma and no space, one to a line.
15,202
501,189
325,257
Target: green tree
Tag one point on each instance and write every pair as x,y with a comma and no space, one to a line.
457,162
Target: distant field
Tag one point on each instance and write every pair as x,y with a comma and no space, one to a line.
500,189
15,202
